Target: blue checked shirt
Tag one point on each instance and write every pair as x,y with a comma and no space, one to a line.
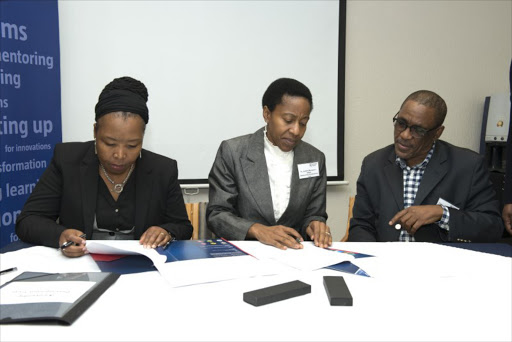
412,178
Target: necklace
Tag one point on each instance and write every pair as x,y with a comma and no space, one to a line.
119,187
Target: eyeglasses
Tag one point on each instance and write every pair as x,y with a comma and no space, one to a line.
416,131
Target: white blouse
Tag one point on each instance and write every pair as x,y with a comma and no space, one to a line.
279,165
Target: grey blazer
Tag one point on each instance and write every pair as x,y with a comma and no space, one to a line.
240,196
455,174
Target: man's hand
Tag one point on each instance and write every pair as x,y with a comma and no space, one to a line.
412,218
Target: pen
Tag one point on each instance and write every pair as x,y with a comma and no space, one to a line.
69,243
168,243
12,269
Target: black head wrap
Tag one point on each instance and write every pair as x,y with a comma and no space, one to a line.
123,94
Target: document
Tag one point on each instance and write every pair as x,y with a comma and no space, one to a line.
44,259
308,258
124,247
200,271
43,292
110,254
350,267
61,297
184,262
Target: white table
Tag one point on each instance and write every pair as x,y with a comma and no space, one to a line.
419,292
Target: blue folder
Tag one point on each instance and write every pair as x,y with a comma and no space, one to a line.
176,251
201,249
347,266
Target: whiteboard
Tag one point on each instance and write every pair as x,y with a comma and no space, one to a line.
206,65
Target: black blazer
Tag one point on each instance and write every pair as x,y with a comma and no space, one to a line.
68,188
455,174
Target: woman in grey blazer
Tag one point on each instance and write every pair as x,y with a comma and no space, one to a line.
270,185
109,188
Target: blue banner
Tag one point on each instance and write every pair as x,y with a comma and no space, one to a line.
30,111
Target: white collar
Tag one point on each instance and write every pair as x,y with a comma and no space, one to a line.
275,150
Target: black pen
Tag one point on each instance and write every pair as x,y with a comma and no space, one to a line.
69,243
8,270
168,243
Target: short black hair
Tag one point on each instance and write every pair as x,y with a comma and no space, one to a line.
285,86
429,99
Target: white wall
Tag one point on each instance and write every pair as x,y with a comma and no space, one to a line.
459,49
206,65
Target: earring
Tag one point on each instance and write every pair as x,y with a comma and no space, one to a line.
95,150
140,154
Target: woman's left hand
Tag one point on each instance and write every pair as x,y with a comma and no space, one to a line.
320,233
155,236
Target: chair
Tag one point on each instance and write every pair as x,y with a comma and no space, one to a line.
193,216
350,207
197,215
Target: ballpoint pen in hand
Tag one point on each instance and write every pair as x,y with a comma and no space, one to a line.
69,243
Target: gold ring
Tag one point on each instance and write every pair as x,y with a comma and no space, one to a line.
162,234
327,233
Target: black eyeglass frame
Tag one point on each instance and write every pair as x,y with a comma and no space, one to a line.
416,131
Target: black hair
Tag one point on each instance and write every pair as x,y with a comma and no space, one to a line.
127,83
126,95
430,99
285,86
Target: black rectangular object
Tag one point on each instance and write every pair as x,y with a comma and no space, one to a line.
337,291
276,293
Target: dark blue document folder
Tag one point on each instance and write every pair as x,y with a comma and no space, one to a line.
347,266
177,251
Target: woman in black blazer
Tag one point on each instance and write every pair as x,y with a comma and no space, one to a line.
109,188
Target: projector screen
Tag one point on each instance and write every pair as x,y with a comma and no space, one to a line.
206,65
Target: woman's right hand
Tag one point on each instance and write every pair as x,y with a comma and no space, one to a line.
76,249
278,236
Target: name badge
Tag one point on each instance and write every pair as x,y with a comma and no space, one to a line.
447,204
308,170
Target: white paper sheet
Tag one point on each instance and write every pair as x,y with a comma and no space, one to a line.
199,271
43,259
43,291
124,247
308,258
